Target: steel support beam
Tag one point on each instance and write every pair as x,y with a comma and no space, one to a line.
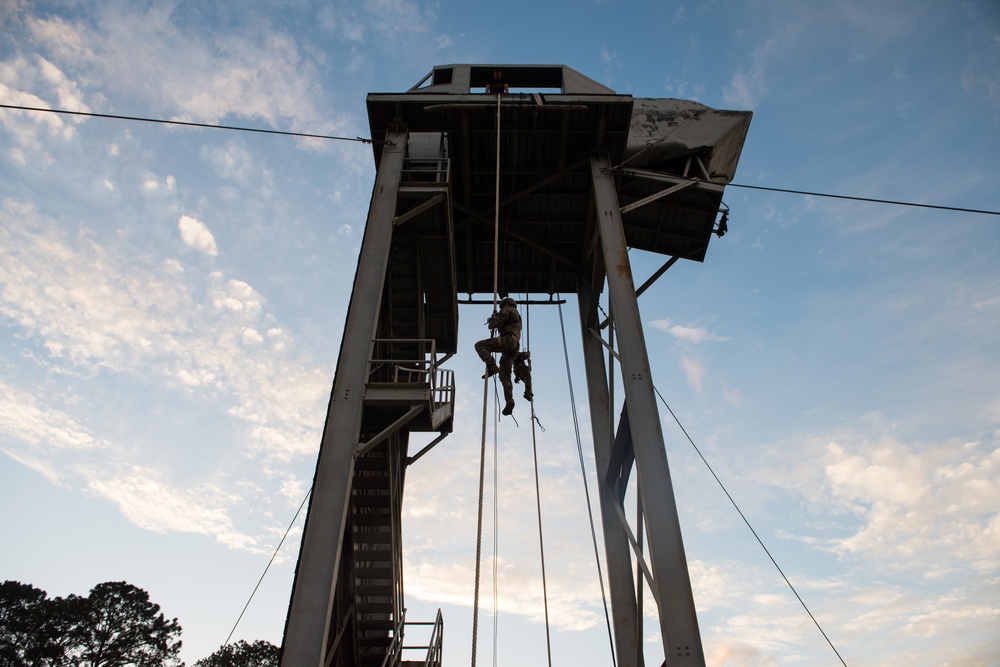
628,642
308,625
672,583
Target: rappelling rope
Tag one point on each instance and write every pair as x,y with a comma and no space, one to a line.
586,489
496,526
479,528
538,503
486,389
496,216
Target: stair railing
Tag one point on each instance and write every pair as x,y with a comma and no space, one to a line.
435,644
426,170
394,652
421,368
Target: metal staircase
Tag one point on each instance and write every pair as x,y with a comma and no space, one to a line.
377,554
378,400
405,294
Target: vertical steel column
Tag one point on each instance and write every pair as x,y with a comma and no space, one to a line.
672,583
319,559
628,643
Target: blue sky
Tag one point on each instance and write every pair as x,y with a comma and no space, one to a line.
173,300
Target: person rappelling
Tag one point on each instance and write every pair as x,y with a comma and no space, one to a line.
522,373
506,324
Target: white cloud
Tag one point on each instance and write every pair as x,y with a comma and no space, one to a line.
694,371
748,85
152,503
236,296
23,419
196,234
732,396
896,507
687,333
28,83
62,288
395,17
93,309
257,73
68,94
931,509
252,336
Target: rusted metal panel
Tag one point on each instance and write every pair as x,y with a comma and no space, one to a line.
668,130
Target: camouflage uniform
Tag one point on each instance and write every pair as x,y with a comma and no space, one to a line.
507,324
522,373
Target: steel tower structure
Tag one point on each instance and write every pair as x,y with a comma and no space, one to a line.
586,175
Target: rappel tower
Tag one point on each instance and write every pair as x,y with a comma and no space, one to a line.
586,175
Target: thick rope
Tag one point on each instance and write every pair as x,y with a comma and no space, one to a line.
496,526
496,216
486,389
538,500
479,528
586,489
541,542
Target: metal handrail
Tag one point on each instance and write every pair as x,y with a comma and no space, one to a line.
403,370
420,366
397,641
443,390
419,168
435,645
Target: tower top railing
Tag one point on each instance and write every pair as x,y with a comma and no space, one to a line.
462,79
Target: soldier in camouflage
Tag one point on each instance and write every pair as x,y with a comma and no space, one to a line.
507,325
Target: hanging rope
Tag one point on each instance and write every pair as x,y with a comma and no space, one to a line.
496,523
496,216
538,504
486,389
586,489
541,541
479,529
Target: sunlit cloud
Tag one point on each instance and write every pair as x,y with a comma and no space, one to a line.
896,507
38,83
95,311
151,503
196,234
686,333
929,508
24,419
251,75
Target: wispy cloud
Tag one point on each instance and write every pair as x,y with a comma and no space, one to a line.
94,311
39,436
146,499
259,73
33,83
687,333
749,83
694,371
929,508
